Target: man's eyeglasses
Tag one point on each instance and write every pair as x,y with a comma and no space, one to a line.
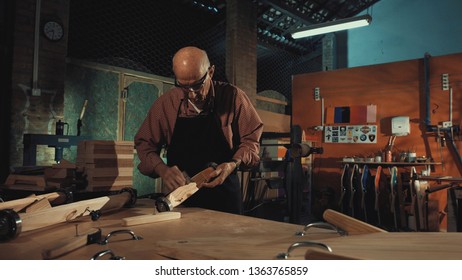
197,86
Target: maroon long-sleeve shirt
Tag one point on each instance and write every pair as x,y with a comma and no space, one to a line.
240,123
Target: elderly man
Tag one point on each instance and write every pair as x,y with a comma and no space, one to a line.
200,121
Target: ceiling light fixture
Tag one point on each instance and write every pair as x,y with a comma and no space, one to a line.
332,26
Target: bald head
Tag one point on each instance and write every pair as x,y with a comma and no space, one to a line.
190,63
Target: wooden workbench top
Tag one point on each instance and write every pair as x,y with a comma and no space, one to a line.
198,234
206,234
399,246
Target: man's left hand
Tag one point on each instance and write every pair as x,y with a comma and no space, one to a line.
220,174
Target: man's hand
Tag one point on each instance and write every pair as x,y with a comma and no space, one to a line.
172,176
220,174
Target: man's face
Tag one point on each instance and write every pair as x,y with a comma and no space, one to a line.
197,90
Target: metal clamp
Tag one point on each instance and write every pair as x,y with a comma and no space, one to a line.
106,252
302,244
115,232
321,225
133,197
163,204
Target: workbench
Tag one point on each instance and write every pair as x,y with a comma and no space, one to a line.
202,234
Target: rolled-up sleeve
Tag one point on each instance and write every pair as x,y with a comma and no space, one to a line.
148,142
249,126
156,131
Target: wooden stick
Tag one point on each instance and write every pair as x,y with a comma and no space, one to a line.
60,214
202,176
351,225
38,205
67,246
152,218
37,180
19,204
182,193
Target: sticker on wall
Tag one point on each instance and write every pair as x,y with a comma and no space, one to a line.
357,134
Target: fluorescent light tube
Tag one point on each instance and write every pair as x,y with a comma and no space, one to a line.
332,26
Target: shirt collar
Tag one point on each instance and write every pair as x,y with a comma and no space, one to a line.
209,102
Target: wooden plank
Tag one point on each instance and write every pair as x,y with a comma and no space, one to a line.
207,234
67,246
64,164
26,187
234,247
182,193
90,150
202,176
179,195
112,181
214,248
60,214
92,146
107,188
106,163
271,100
216,235
150,218
38,205
19,204
110,171
15,179
111,150
91,158
58,183
399,246
274,122
351,225
59,173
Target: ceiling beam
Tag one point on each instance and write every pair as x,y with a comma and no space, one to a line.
288,11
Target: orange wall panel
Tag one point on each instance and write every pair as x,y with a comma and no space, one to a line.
397,89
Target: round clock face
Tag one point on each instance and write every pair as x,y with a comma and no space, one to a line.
53,30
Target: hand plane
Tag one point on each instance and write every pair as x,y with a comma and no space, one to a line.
179,195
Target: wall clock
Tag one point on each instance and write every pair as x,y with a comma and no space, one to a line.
53,30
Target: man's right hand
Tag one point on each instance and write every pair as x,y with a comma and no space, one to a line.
172,176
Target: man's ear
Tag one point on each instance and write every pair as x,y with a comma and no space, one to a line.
211,70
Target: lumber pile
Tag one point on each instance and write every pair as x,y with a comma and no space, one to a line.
57,176
27,182
106,165
60,175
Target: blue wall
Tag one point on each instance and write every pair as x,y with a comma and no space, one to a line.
407,29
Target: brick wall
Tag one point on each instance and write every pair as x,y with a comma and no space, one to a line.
241,46
36,114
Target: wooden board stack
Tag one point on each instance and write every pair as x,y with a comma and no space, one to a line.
27,182
107,165
60,175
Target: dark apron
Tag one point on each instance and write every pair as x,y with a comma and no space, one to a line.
196,142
